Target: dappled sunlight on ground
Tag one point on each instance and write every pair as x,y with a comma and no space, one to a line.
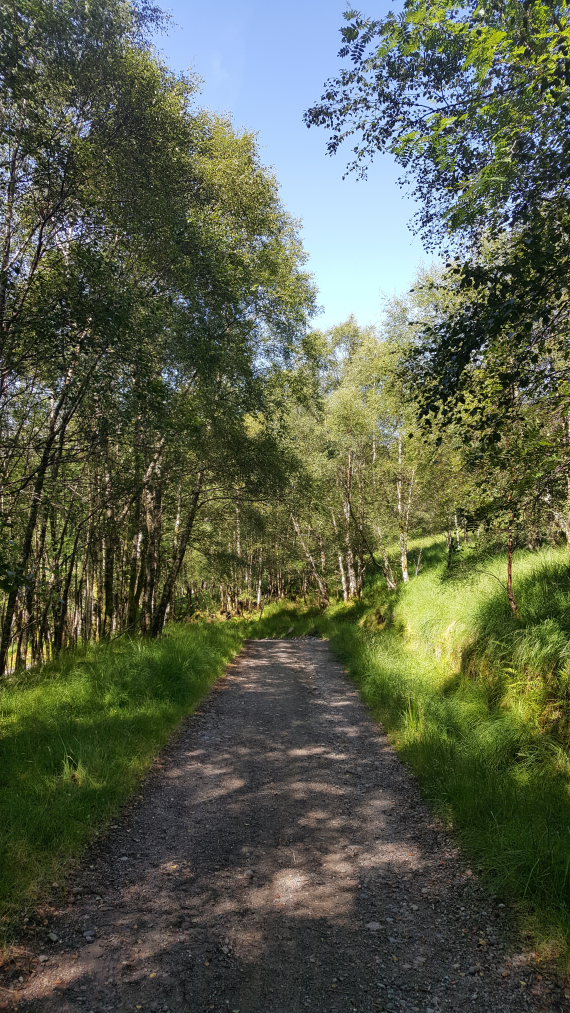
279,860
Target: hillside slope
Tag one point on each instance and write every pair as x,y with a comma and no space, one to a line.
476,700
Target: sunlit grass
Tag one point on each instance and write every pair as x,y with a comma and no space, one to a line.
77,736
476,701
474,698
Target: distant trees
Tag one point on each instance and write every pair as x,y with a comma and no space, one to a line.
454,415
366,477
392,452
472,101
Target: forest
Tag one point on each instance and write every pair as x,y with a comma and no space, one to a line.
186,454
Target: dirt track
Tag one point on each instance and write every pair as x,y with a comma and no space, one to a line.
280,859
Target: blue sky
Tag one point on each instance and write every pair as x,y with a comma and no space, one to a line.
264,63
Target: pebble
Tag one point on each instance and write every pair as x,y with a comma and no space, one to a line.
53,937
373,926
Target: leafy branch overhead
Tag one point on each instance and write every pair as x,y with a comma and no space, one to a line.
472,99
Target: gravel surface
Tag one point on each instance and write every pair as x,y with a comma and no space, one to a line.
279,859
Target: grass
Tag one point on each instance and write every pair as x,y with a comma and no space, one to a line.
77,736
476,701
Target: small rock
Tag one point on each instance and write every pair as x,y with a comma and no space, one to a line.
53,937
248,874
43,958
373,926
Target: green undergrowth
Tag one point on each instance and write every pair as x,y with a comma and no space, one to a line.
476,700
76,738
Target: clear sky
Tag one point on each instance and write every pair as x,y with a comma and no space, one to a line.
264,62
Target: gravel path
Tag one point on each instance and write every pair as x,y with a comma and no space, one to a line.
280,859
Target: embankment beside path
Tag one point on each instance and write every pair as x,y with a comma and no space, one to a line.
477,701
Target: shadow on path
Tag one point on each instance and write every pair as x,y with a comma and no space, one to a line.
280,860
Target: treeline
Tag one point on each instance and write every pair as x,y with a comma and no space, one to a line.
174,437
455,415
152,303
366,479
472,100
386,457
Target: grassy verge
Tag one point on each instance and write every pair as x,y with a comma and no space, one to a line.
476,701
76,737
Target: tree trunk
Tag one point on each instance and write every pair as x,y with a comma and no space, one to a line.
342,573
510,591
348,553
457,533
135,581
59,626
153,511
320,582
177,560
37,497
388,572
402,515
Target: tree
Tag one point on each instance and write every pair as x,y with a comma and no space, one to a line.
151,290
470,98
